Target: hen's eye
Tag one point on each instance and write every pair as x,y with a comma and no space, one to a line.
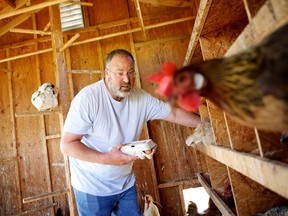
181,78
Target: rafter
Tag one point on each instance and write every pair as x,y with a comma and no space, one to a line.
139,14
31,8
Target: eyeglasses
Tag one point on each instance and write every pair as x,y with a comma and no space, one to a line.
121,74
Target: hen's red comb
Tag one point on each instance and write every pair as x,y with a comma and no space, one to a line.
164,78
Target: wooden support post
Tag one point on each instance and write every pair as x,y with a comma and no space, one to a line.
214,196
13,128
203,10
62,84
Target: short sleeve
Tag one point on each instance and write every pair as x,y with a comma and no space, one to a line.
157,109
78,121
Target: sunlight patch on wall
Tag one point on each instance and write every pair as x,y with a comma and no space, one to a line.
197,195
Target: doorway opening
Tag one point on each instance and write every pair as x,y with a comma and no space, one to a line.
199,196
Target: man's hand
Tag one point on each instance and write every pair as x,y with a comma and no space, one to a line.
116,157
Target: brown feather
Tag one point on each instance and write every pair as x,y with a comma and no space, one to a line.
250,86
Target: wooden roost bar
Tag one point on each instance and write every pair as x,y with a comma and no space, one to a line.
35,178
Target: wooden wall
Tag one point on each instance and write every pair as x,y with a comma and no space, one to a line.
245,158
32,166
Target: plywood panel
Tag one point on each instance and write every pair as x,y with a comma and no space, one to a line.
170,202
9,189
250,197
6,149
223,13
33,176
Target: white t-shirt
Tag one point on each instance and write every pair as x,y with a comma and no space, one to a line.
105,123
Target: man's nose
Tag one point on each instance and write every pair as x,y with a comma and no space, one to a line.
126,78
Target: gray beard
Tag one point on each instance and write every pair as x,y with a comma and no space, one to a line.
117,92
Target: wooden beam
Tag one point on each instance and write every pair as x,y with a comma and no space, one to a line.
177,183
84,71
62,84
271,174
225,210
31,8
139,14
203,10
26,55
38,113
30,31
43,196
47,26
69,42
81,3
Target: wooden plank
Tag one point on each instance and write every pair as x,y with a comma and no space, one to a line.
69,42
218,174
26,114
251,197
203,10
29,31
221,205
177,183
31,8
270,174
43,196
218,124
13,127
139,14
181,188
241,137
26,55
62,83
84,71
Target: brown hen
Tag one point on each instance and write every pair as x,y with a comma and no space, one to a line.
252,86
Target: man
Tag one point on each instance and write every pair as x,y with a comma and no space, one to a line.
102,117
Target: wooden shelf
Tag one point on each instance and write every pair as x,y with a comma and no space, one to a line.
221,205
269,173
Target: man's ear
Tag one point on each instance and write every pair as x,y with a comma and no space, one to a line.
106,72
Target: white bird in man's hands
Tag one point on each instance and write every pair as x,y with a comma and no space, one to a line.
45,98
